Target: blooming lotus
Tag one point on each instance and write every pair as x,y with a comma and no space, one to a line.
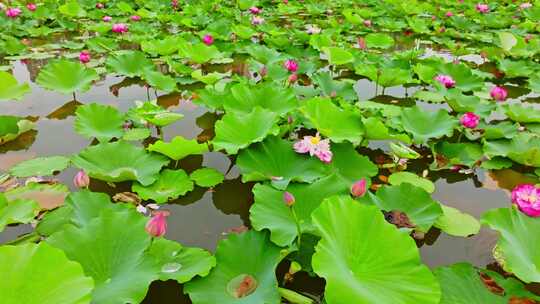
135,18
84,57
120,28
107,18
208,39
81,180
359,188
446,81
157,225
255,10
482,8
31,7
256,20
13,12
315,146
498,93
291,65
469,120
527,198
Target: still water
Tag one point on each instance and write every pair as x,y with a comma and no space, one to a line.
204,216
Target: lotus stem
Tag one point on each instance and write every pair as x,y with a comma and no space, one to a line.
294,297
298,229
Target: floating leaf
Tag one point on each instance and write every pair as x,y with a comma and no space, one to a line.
243,98
171,184
457,223
338,56
159,81
41,166
413,179
151,112
178,148
129,63
521,113
236,131
518,243
120,161
72,8
247,254
379,40
507,40
41,274
17,211
66,76
198,52
47,196
425,125
206,177
523,148
99,121
10,89
366,269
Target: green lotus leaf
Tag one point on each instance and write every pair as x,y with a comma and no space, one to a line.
461,284
386,76
324,114
66,76
460,102
115,257
159,81
151,112
448,154
136,134
249,253
517,243
166,46
376,129
270,212
198,52
10,88
41,166
366,269
99,121
243,98
171,184
9,125
507,40
276,158
236,131
421,209
206,177
120,161
48,196
456,223
379,40
330,86
17,211
129,63
463,75
178,148
23,126
521,113
411,178
503,129
72,8
180,263
349,165
425,125
41,274
338,56
523,148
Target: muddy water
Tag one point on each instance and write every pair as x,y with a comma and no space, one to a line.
203,217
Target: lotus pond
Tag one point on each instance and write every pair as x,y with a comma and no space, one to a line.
261,152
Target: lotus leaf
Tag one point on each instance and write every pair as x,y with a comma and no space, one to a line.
244,98
178,148
457,223
426,125
17,211
523,148
41,166
47,196
171,184
130,64
99,121
413,179
10,89
66,76
206,177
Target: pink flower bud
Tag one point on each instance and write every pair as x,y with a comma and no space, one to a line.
359,188
449,14
120,28
367,23
254,10
469,120
285,1
498,93
84,57
208,39
446,81
482,8
31,7
293,78
135,18
291,65
362,43
81,180
157,225
13,12
100,5
288,198
107,18
527,198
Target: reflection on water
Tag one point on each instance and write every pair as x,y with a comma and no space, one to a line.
203,216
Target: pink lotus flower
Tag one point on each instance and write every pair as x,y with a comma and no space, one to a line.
449,14
482,8
81,180
157,225
256,20
525,5
84,57
100,5
446,81
498,93
527,198
208,39
120,28
469,120
367,23
359,188
255,10
291,65
107,18
135,18
288,198
285,1
31,7
13,12
174,4
315,146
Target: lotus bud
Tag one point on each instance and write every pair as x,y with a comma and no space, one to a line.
255,10
291,65
100,5
31,7
288,198
84,57
81,180
359,188
157,225
135,18
498,93
107,19
208,40
449,14
293,78
367,23
469,120
120,28
482,8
